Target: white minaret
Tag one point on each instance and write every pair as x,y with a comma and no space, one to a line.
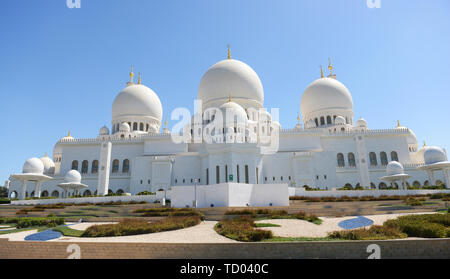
105,166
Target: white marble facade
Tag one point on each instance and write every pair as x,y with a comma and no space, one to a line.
327,149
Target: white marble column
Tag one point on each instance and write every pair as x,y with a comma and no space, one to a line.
431,177
37,189
23,190
447,178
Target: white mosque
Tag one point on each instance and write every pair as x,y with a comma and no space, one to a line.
328,150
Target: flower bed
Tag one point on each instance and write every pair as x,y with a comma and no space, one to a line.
242,229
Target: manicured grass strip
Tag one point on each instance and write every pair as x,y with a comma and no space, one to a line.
263,225
137,226
66,231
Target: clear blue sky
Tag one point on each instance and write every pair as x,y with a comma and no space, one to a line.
61,68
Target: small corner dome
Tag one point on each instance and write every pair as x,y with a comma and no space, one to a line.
104,131
49,165
361,123
231,109
137,100
340,120
233,77
72,176
124,127
394,168
310,124
325,94
434,154
33,165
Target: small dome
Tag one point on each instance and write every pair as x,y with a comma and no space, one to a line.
73,176
33,165
124,127
394,168
233,77
137,100
339,120
104,131
361,123
232,112
49,165
434,155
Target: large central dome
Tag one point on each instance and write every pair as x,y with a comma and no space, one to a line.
326,97
233,78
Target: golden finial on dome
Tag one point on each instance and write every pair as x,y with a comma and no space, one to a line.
298,117
321,71
229,98
424,143
131,74
165,123
398,123
229,51
330,67
139,80
69,134
45,155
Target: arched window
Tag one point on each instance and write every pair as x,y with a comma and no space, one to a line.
246,174
55,194
87,193
135,126
351,160
94,168
146,127
84,166
238,174
373,158
120,192
317,122
348,185
126,166
141,127
382,185
75,165
383,158
322,120
416,183
217,174
44,193
340,160
372,185
394,156
426,183
13,195
328,119
115,167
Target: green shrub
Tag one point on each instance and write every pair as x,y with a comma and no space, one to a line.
423,225
413,202
241,229
5,201
374,232
25,222
137,226
143,193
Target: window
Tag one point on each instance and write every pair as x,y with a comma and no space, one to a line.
115,167
226,173
416,183
44,194
126,166
141,127
87,193
75,165
246,174
84,166
317,122
382,185
383,158
134,126
351,160
120,191
340,160
55,194
373,158
238,174
94,168
328,119
207,176
322,120
217,174
394,156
